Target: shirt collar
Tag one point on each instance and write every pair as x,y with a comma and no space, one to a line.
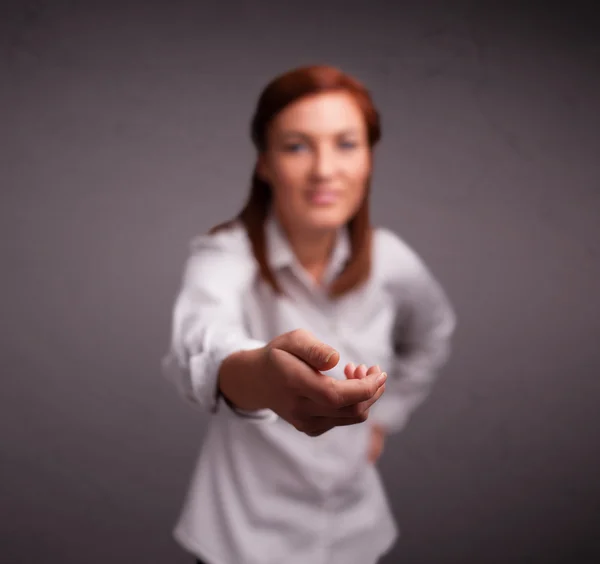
280,254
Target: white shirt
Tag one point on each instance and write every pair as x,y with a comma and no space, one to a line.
263,492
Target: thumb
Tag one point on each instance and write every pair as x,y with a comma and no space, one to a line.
305,346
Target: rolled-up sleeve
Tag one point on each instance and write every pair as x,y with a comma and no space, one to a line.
207,321
424,325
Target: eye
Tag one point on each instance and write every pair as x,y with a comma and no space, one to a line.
347,145
294,147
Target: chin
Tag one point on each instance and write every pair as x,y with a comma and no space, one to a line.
326,219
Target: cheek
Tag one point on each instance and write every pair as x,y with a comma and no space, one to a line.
289,182
360,168
291,175
358,175
356,198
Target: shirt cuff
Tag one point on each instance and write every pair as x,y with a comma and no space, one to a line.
204,370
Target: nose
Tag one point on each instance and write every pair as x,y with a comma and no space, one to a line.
324,164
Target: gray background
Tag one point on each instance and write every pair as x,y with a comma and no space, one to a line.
124,132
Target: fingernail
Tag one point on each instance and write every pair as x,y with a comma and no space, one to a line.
381,379
328,357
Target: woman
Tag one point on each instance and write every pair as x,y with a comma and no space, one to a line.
280,312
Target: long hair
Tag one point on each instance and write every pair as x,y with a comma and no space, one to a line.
279,93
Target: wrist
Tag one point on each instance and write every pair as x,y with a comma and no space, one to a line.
239,380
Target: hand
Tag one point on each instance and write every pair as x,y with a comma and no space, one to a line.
378,433
376,443
313,402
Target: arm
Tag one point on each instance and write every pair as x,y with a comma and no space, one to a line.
424,325
208,335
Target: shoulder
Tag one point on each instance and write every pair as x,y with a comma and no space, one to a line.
223,257
227,241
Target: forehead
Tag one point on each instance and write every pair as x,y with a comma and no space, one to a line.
321,114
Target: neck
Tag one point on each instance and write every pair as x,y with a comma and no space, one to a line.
312,249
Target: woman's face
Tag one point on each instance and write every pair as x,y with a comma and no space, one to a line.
317,161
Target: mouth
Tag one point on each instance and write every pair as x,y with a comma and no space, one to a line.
323,197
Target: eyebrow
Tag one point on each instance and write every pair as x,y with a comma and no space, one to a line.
344,132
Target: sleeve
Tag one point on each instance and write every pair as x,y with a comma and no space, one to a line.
424,324
207,322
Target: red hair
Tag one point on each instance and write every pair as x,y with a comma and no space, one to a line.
279,93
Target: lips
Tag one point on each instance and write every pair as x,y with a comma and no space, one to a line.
323,197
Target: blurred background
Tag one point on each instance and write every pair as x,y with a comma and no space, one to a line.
124,131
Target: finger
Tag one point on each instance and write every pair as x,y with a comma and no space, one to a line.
361,408
305,346
341,393
361,371
349,370
373,369
358,410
